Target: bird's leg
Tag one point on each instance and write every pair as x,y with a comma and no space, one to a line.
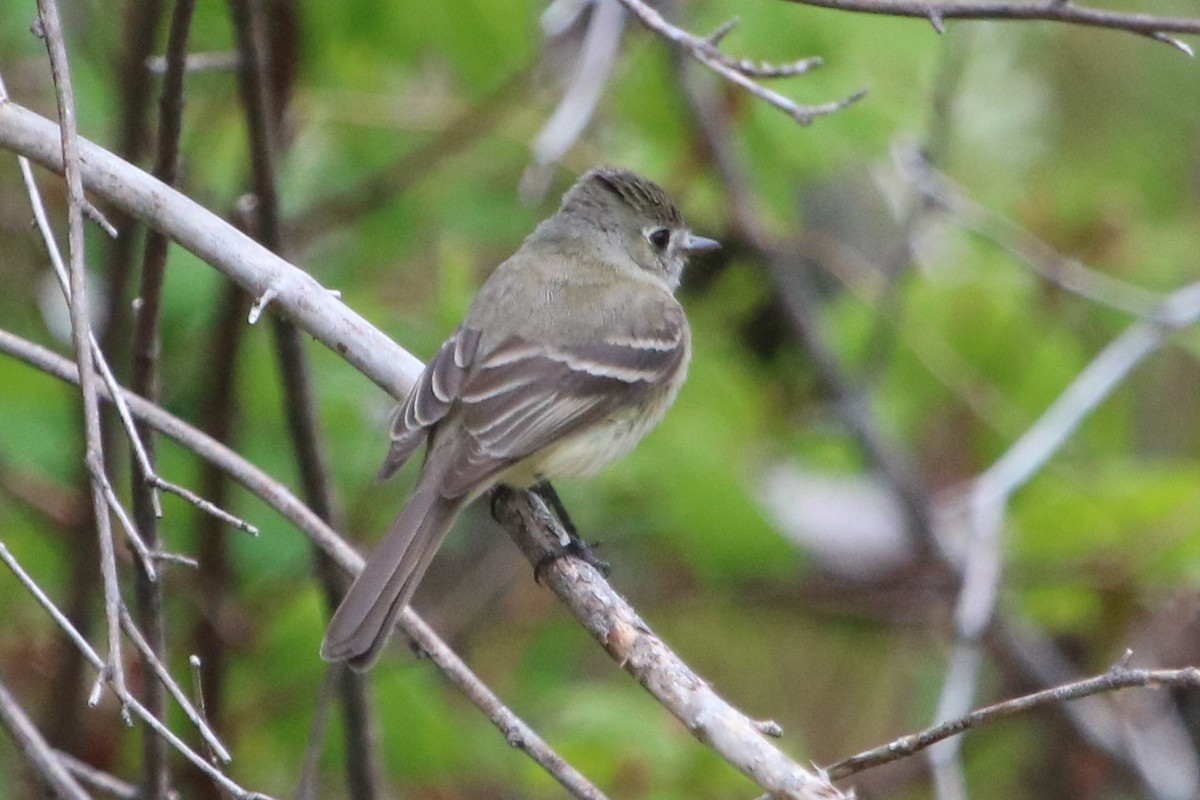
575,545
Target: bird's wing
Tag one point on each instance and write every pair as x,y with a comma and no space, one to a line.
431,397
524,395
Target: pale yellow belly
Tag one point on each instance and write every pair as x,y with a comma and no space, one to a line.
587,452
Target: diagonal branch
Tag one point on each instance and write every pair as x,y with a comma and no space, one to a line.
1119,676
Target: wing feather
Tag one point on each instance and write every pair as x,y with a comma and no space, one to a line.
431,397
522,396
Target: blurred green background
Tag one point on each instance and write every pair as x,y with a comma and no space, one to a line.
1087,139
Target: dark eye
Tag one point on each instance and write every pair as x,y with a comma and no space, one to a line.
660,238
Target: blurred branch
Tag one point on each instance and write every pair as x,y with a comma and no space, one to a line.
791,283
740,72
328,214
299,394
109,784
1069,274
590,74
986,503
1050,10
1119,676
145,347
41,756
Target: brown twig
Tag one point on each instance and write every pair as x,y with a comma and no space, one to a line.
145,348
299,394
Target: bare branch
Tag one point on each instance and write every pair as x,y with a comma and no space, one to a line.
51,29
39,753
123,790
1050,10
145,348
1119,676
737,71
1067,273
249,264
159,669
129,701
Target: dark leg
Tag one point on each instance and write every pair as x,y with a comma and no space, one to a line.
575,545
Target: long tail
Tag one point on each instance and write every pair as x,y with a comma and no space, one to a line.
363,621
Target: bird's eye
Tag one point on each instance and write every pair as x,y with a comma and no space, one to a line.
660,238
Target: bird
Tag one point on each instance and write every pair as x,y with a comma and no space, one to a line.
571,352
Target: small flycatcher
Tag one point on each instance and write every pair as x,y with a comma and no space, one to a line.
571,352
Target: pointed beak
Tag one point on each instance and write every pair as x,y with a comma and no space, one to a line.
698,245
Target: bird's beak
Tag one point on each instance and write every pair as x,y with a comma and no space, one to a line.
697,245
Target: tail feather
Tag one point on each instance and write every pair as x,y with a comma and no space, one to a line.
364,620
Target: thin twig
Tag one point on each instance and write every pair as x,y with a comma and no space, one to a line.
739,72
1049,10
154,662
1119,676
206,506
196,62
128,700
516,731
40,754
98,779
307,783
1067,273
51,28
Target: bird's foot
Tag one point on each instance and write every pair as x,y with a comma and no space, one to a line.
574,548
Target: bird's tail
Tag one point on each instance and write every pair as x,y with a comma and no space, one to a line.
363,621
